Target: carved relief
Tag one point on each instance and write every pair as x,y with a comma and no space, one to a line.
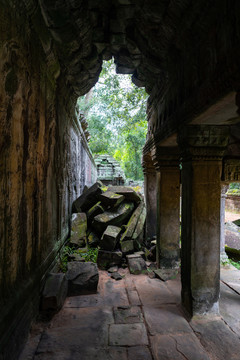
232,170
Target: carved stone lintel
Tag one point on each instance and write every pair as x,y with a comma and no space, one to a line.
203,141
231,171
165,157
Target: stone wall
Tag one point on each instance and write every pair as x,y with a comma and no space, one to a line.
233,203
44,164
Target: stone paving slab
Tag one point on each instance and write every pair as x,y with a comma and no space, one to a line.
72,340
127,335
231,277
177,347
127,315
110,353
139,353
95,317
229,304
110,293
133,297
217,338
165,320
153,291
87,327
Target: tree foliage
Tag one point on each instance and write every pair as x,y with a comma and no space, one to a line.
116,113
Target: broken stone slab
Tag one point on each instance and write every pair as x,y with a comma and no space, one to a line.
128,192
93,239
140,253
113,269
82,277
110,238
132,223
137,265
78,229
135,255
127,246
127,315
87,199
54,292
166,274
110,199
116,276
115,217
107,259
95,210
139,227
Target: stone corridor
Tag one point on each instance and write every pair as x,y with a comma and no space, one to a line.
138,318
186,55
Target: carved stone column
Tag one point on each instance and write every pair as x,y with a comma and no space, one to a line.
150,192
223,255
202,148
166,161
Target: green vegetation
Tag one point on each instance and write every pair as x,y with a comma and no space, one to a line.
234,189
235,263
89,254
116,113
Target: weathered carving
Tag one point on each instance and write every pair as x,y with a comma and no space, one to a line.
203,141
165,157
231,171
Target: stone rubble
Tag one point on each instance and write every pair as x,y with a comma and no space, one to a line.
111,219
114,222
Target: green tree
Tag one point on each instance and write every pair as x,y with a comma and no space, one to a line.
116,113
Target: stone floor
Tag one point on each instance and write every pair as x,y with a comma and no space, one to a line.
138,318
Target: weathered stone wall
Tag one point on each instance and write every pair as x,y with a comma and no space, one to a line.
233,203
43,162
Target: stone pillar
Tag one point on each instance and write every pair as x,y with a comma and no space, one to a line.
202,148
150,192
168,207
223,255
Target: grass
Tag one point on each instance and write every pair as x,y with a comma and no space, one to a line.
236,264
89,254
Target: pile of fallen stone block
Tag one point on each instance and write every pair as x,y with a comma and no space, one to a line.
110,218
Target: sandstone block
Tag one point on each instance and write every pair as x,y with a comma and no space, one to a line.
110,238
54,292
116,276
137,265
110,199
133,222
107,259
127,246
128,192
78,229
82,277
137,235
93,239
166,274
87,199
95,210
115,217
